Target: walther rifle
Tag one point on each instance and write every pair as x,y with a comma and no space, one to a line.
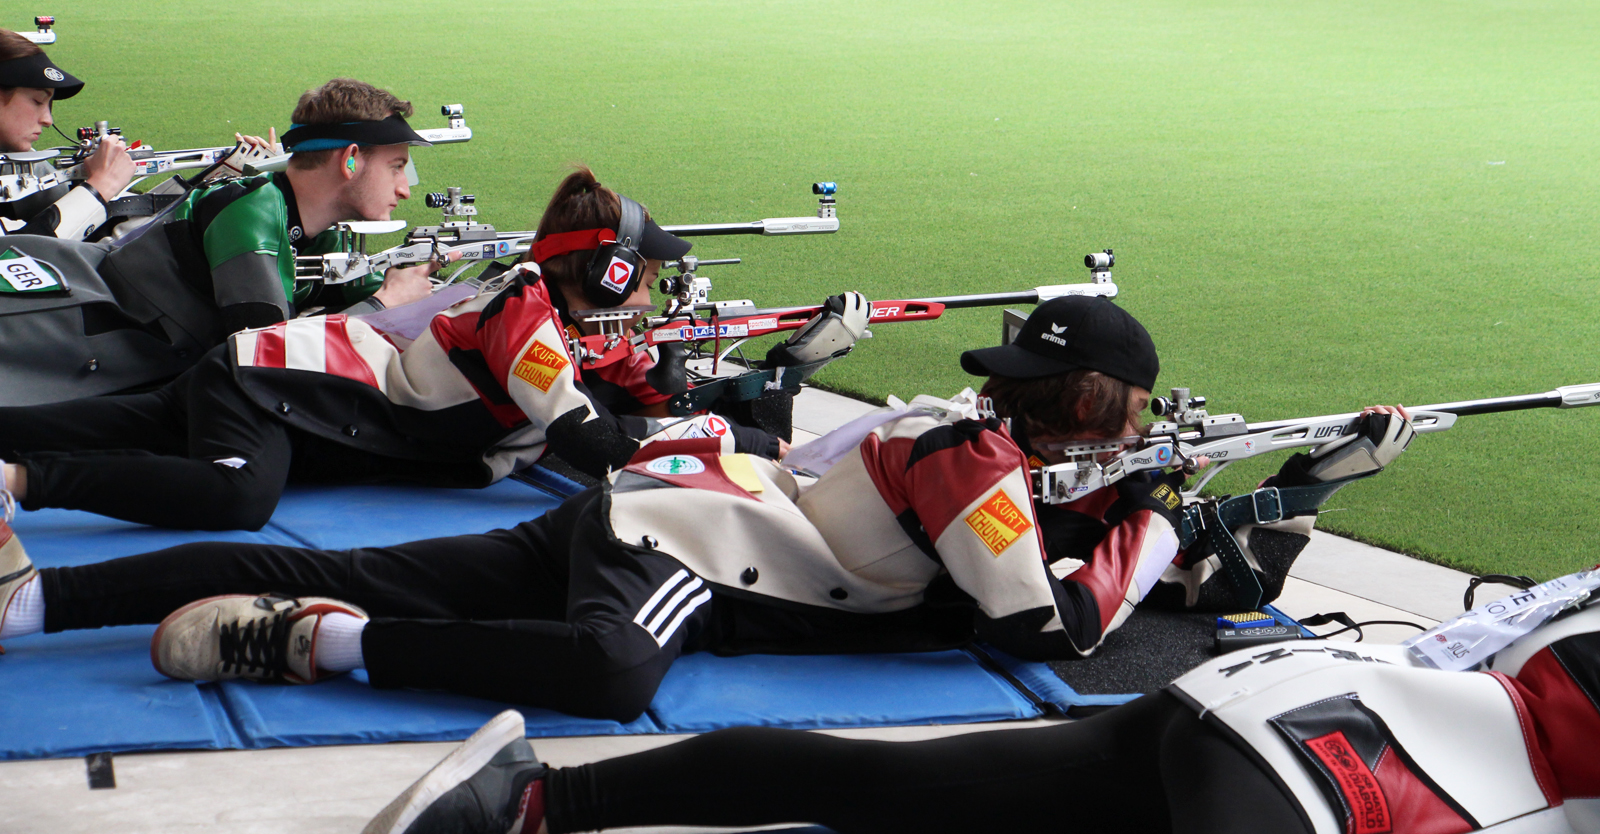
462,238
1191,433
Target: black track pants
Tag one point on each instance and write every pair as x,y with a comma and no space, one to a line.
1148,766
541,614
152,458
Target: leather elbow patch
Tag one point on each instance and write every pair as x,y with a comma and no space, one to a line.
594,447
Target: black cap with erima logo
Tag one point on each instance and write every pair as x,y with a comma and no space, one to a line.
1069,334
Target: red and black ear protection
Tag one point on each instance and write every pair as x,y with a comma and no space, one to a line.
616,267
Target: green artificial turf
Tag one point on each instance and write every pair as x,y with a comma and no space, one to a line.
1314,206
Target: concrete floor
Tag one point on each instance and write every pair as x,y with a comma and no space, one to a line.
337,789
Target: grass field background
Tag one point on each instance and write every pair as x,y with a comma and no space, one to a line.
1314,206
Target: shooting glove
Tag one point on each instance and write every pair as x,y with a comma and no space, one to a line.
1162,494
830,332
243,154
1377,440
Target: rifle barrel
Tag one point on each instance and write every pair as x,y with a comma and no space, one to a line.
990,299
754,227
1489,405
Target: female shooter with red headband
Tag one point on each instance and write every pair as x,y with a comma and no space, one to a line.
487,389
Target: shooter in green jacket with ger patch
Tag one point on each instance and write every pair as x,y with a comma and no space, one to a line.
83,319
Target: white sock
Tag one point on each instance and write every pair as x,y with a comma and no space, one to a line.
25,614
338,642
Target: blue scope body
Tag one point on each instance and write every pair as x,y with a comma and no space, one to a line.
824,188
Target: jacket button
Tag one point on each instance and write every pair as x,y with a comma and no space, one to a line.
838,593
749,576
352,430
649,541
284,408
92,365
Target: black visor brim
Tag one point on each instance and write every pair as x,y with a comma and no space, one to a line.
40,73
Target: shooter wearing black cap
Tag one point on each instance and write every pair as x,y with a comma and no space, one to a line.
29,84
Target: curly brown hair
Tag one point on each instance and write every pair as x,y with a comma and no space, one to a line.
1080,402
338,101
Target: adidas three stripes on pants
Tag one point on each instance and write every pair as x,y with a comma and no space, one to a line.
551,613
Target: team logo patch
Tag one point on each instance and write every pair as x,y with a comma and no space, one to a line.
676,465
998,522
617,275
1165,495
1369,808
25,274
540,365
54,74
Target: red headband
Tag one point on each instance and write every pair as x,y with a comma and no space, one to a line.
560,244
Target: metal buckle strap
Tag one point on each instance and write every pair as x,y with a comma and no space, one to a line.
1246,586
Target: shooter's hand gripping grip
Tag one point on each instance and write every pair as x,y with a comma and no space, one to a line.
1380,439
831,332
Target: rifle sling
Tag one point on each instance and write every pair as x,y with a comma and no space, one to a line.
1264,506
140,205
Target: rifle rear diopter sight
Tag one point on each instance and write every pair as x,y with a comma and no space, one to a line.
459,224
1187,413
686,288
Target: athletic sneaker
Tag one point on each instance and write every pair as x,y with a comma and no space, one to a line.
488,785
266,638
15,569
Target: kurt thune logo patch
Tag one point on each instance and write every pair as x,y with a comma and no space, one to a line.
998,522
24,274
1165,495
1369,808
539,365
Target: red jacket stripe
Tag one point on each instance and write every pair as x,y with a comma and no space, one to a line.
342,359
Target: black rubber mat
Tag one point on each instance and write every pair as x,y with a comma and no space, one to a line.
1151,649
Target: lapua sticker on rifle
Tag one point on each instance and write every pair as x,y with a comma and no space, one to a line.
24,274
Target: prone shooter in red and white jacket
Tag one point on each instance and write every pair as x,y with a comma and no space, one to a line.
486,388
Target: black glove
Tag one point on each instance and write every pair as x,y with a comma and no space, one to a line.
1160,493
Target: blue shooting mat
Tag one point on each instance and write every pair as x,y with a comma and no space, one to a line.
95,691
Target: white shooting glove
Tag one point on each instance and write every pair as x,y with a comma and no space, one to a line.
244,153
831,332
1363,452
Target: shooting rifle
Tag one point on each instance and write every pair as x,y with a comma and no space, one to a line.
149,162
737,321
1191,433
462,238
46,35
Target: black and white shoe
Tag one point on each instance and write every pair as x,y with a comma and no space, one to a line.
485,786
262,637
